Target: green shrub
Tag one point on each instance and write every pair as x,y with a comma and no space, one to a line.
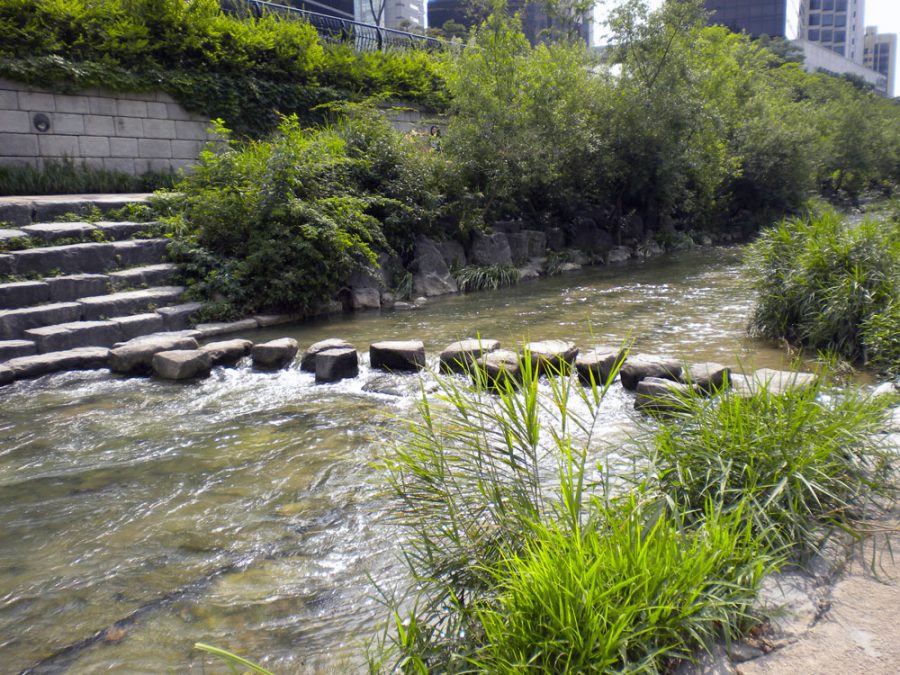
827,284
795,465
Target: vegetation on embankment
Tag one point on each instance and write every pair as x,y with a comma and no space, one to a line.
244,69
526,556
829,284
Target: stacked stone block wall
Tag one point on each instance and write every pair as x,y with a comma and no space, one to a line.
129,133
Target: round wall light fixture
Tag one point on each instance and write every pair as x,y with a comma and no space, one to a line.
41,122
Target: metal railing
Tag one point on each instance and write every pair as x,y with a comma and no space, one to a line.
333,29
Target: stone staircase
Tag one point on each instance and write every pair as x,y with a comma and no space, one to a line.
69,285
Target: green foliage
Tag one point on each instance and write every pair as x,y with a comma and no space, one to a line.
66,177
241,68
232,660
829,284
795,465
281,224
489,277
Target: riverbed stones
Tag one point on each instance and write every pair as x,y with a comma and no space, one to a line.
551,357
655,394
308,360
707,377
458,357
597,364
498,368
333,365
83,358
275,354
182,364
641,366
136,356
774,382
227,352
400,355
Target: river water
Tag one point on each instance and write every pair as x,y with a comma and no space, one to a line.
138,516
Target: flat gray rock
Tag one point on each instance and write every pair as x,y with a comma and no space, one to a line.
308,360
275,354
597,364
333,365
458,357
85,358
775,382
266,320
136,356
497,368
638,367
227,352
707,377
551,357
658,395
208,330
397,355
183,364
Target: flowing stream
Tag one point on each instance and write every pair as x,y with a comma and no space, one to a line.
138,516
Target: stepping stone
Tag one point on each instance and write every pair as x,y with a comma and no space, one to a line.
49,232
11,349
458,357
655,394
23,294
76,286
397,355
147,275
182,364
208,330
551,357
636,368
136,356
275,354
61,337
308,360
597,364
178,317
84,358
707,377
774,382
14,322
227,352
333,365
498,367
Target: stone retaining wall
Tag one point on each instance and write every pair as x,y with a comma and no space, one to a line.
129,133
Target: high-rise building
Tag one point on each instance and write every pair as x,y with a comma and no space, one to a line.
836,25
400,14
880,54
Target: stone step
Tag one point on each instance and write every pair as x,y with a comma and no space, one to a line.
51,232
147,275
48,233
12,349
23,294
84,358
14,322
89,258
124,229
35,209
128,302
7,235
76,286
73,335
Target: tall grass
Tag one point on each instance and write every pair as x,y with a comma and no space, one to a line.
824,283
796,465
522,557
487,277
64,176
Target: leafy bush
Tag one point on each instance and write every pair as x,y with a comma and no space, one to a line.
827,284
242,68
489,277
795,465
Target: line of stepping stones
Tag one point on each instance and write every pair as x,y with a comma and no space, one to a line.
660,383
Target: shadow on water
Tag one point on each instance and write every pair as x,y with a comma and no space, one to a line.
138,517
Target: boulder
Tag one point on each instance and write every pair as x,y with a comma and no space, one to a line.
308,360
551,357
527,244
597,364
453,253
431,276
638,367
533,269
497,368
490,249
458,357
136,356
775,382
655,394
588,237
556,239
275,354
182,364
333,365
227,352
365,298
707,377
618,254
83,358
650,249
405,355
